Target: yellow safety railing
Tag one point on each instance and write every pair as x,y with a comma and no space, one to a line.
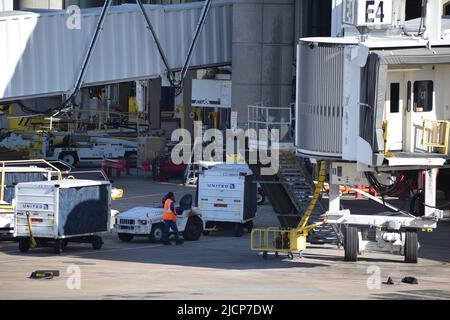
289,240
435,134
13,166
385,139
272,239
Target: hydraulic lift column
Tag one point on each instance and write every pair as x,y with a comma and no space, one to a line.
430,191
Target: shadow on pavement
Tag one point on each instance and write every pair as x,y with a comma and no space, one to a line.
214,252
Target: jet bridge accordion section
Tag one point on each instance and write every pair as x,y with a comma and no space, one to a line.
42,50
320,99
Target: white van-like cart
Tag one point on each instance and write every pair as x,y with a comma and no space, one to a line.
227,198
54,213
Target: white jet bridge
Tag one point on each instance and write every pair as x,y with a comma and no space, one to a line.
42,51
374,105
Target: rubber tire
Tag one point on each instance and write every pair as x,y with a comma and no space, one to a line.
249,226
194,229
351,244
261,198
125,237
24,245
73,155
411,246
132,157
58,247
156,234
97,243
416,207
238,230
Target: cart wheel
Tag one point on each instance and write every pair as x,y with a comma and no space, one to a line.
300,254
411,246
24,245
58,247
264,255
276,254
260,197
351,244
125,237
194,229
65,244
249,226
97,243
156,234
238,230
290,256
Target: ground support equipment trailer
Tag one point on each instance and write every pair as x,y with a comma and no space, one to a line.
227,198
54,213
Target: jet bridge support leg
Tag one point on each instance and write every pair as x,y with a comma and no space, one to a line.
430,191
334,198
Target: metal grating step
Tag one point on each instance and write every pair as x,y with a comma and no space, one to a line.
300,190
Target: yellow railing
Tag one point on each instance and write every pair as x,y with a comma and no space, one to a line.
272,239
14,166
435,134
289,240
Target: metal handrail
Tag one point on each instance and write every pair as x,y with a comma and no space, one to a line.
8,164
435,134
3,164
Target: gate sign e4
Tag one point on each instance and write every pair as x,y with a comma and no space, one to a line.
367,12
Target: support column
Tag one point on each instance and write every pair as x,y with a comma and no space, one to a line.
263,32
433,20
154,103
430,191
334,198
187,100
336,18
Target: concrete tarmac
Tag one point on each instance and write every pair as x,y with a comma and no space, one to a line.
219,266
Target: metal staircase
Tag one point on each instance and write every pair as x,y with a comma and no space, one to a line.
290,192
193,169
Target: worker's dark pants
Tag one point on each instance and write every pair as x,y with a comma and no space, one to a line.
169,224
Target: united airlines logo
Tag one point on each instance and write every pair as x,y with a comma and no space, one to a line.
228,186
34,206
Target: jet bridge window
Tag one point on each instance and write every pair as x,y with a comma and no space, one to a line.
408,102
423,96
395,97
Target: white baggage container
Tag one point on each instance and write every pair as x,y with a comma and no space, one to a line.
227,197
61,211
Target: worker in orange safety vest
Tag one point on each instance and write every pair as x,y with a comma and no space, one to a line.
170,219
